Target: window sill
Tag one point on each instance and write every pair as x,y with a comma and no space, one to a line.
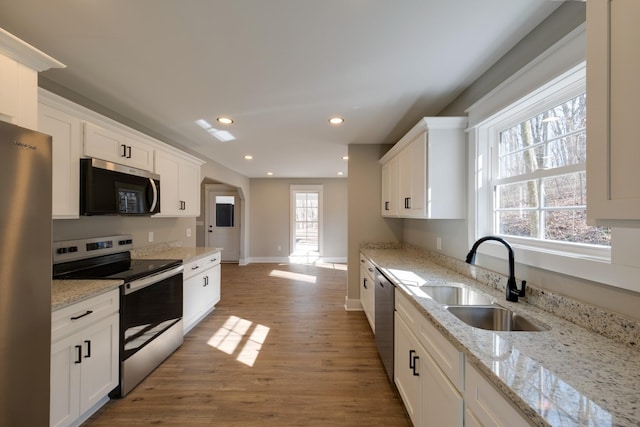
594,268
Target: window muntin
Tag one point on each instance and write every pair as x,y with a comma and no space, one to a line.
539,185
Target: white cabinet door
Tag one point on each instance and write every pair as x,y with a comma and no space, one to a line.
424,173
100,366
65,382
190,188
406,367
113,146
179,185
66,132
390,188
442,405
613,89
488,406
201,289
367,290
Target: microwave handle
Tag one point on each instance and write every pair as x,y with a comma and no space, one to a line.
155,194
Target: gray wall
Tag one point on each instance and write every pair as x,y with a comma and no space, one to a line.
366,223
270,213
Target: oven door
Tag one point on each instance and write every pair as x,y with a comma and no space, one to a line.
149,306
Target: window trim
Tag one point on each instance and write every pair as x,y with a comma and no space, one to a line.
560,62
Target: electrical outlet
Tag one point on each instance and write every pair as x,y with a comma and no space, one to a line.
150,238
438,243
188,232
279,248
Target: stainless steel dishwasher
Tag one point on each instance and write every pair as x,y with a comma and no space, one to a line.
385,306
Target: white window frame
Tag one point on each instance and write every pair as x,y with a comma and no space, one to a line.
305,189
555,76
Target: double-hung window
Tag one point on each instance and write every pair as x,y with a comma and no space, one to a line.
538,177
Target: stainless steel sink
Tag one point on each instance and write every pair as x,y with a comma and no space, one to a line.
494,318
455,295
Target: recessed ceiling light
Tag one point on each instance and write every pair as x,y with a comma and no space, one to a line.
224,120
248,157
336,120
345,157
340,173
270,173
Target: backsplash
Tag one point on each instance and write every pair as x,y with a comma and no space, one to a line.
609,324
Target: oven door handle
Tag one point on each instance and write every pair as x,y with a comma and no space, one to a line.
138,284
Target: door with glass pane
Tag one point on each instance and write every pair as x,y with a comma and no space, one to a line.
306,222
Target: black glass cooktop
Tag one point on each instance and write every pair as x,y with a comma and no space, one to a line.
117,266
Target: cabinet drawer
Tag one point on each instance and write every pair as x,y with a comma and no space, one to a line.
192,268
368,266
446,356
211,260
77,316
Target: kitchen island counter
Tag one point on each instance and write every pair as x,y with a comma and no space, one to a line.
567,375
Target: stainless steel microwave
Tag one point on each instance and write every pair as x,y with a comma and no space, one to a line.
108,188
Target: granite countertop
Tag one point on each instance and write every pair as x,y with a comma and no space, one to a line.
186,254
565,376
67,292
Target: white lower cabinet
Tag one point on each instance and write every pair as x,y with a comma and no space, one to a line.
368,290
201,289
431,395
84,358
485,406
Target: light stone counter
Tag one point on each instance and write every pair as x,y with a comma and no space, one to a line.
67,292
566,376
186,254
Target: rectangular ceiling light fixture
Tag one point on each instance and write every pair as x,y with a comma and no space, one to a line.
220,135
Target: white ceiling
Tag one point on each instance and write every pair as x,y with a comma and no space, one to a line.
279,68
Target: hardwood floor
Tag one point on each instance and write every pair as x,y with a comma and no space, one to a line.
279,350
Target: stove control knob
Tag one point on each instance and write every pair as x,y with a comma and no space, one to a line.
62,250
73,249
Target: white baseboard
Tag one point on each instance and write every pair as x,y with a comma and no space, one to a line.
352,304
294,260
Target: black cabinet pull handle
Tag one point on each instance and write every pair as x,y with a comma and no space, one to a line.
88,312
88,343
411,360
415,374
206,281
364,283
386,206
128,152
79,354
124,150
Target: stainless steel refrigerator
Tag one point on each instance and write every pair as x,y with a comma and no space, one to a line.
25,276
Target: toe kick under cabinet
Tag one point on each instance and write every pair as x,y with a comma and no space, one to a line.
84,357
201,289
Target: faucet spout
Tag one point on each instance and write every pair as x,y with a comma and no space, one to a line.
512,292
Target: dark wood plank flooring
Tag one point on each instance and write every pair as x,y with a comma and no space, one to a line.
279,350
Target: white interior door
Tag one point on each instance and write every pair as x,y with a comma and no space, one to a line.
223,224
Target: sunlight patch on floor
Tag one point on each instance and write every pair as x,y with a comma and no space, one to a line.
234,337
293,276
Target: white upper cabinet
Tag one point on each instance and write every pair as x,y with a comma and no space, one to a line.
423,175
613,90
113,146
19,67
179,184
65,131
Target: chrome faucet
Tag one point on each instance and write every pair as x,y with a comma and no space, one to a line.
512,291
